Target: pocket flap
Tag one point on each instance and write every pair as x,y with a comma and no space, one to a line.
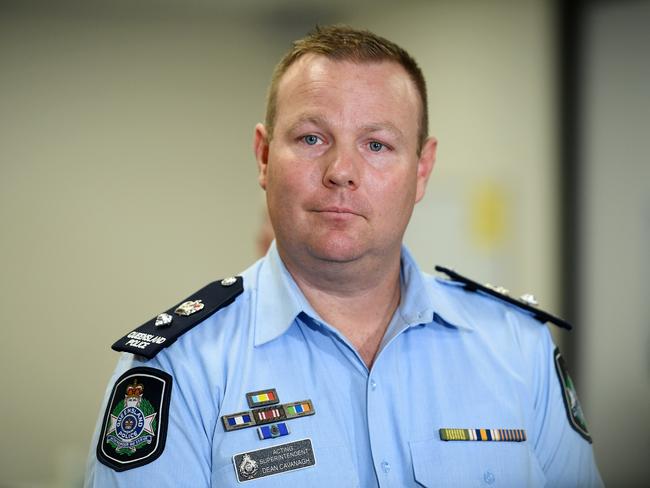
467,463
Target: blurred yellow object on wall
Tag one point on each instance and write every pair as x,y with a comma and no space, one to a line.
489,216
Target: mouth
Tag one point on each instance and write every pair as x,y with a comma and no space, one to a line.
337,211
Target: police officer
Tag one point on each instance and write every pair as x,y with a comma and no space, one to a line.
334,360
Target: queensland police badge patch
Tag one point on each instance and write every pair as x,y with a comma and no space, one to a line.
570,397
135,423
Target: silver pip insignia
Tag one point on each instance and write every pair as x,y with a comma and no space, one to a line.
163,320
529,299
229,281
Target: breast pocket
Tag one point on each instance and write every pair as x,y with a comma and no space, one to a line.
333,468
475,464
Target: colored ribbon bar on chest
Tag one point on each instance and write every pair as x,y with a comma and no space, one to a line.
237,421
262,398
267,415
488,435
272,431
299,409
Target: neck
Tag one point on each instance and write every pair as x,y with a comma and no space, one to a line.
357,298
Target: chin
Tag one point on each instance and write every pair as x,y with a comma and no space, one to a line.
336,250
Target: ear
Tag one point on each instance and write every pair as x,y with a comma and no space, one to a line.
261,148
425,164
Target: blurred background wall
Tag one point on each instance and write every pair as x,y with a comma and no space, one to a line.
127,181
614,353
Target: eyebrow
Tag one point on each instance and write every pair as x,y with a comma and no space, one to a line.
387,126
321,121
308,119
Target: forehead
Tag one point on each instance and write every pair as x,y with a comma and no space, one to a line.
318,81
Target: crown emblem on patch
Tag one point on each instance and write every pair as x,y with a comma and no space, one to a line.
134,393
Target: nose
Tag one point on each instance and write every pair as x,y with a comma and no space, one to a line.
342,170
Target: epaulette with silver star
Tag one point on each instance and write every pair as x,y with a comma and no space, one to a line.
163,330
526,302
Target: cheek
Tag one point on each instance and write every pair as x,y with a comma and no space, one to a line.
290,177
396,196
282,183
286,189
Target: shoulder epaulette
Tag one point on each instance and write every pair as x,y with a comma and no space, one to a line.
525,302
163,330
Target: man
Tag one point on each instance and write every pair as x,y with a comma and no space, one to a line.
334,361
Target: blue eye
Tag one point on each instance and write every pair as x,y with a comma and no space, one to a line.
311,139
376,146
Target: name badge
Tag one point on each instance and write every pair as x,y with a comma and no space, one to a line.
274,460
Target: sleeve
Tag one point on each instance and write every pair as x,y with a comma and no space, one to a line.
162,442
562,442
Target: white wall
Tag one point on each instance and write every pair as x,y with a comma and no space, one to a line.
127,181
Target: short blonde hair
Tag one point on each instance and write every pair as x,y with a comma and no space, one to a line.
344,43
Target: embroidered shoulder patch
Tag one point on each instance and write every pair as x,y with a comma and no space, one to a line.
135,423
570,397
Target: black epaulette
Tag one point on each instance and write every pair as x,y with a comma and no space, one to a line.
163,330
525,302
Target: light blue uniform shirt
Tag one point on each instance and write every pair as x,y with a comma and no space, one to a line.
449,359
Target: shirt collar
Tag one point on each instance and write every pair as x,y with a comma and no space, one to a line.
280,301
424,300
